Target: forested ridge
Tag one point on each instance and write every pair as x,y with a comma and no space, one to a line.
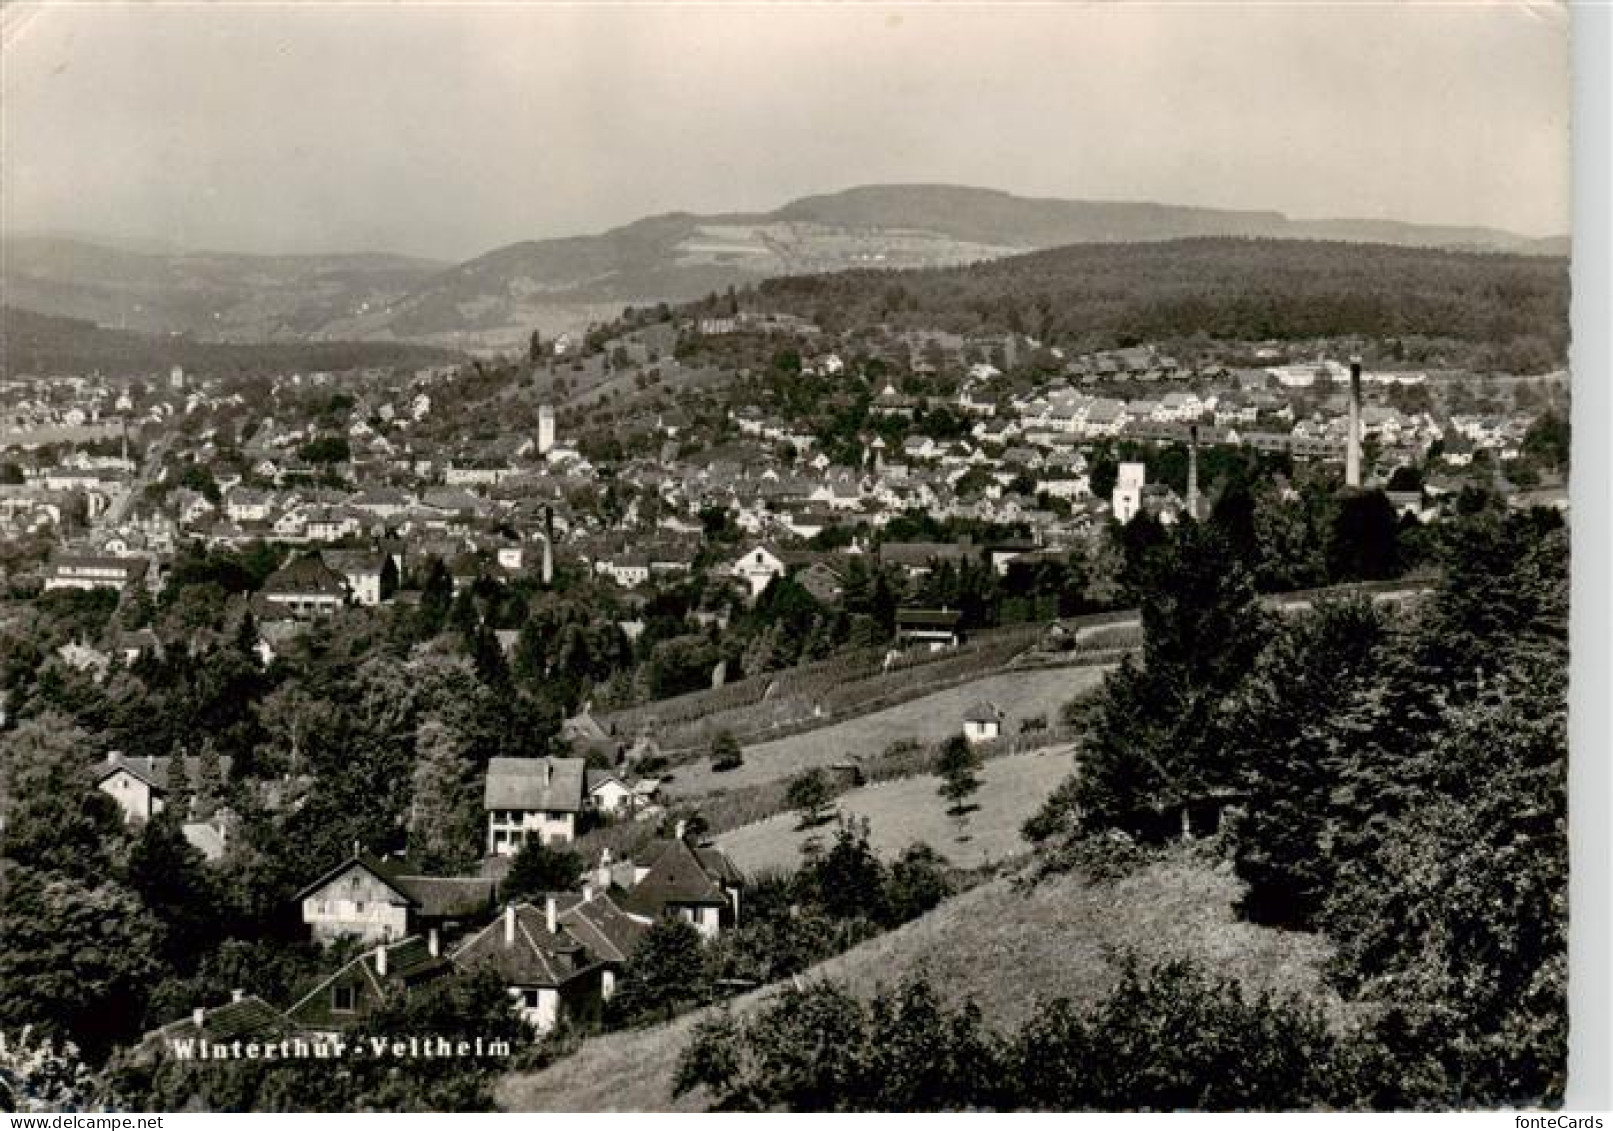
42,344
1097,295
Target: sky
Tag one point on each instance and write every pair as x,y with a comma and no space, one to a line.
447,130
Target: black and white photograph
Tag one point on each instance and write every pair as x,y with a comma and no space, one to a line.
767,557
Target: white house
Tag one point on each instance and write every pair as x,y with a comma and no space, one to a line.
757,567
1127,498
983,722
532,797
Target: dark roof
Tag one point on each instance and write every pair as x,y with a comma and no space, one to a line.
355,561
248,1018
598,777
306,574
377,867
928,618
717,865
924,553
449,897
676,876
582,725
609,933
553,785
983,712
154,770
408,963
533,957
433,897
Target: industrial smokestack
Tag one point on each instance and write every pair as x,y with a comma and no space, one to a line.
1193,471
548,546
1352,451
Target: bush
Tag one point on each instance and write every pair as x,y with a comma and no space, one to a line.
726,753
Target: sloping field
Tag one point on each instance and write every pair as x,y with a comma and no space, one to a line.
1006,949
1021,695
908,810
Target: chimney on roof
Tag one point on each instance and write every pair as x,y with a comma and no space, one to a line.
1352,453
551,916
380,960
198,1016
112,757
237,995
433,943
588,891
509,924
357,848
678,829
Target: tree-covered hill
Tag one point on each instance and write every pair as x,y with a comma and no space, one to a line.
1515,307
42,344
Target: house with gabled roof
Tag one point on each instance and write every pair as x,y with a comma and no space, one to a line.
245,1017
140,785
303,587
373,979
758,566
380,900
541,961
527,798
983,722
934,629
673,879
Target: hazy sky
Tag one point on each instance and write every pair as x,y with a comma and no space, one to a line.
448,130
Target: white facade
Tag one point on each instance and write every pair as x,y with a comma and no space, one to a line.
365,585
982,730
539,1006
706,920
357,904
1127,499
133,796
509,829
757,569
545,429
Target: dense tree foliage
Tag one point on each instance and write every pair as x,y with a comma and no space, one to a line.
1167,1039
1393,778
1512,310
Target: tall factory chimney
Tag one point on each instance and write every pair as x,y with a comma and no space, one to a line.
1193,471
548,546
1352,450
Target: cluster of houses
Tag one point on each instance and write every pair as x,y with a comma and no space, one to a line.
559,954
502,507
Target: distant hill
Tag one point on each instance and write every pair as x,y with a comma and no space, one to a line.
497,299
44,344
222,296
987,216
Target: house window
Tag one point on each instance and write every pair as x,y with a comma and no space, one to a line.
358,907
341,999
529,998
